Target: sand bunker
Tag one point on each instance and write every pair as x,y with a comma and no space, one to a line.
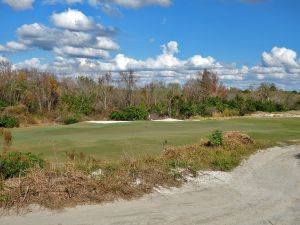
167,120
108,122
112,122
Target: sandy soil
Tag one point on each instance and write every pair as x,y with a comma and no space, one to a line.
265,190
108,122
112,122
167,120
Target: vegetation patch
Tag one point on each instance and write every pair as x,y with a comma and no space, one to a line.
14,164
129,114
9,121
215,139
85,180
70,120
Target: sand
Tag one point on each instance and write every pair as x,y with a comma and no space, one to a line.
264,190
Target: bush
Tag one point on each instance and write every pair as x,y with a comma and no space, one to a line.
9,122
117,115
135,113
215,139
70,120
15,164
129,114
78,104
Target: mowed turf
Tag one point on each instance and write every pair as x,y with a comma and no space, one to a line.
139,138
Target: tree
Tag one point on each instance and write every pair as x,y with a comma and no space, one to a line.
173,91
105,88
128,81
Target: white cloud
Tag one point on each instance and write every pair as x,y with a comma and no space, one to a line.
280,57
30,63
170,48
76,35
280,63
81,52
19,4
106,43
72,20
13,46
168,67
198,61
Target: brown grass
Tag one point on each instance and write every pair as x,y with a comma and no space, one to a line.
127,178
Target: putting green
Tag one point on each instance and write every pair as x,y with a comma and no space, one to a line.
113,140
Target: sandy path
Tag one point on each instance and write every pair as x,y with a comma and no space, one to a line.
264,190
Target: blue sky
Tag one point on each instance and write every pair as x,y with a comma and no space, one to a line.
244,41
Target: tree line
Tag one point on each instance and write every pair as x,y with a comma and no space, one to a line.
34,92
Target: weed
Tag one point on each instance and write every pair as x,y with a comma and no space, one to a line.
215,139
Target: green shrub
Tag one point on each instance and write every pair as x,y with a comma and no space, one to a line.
129,114
135,113
15,164
78,104
117,115
9,122
70,120
216,138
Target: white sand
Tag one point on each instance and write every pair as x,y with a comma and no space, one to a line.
108,122
112,122
167,120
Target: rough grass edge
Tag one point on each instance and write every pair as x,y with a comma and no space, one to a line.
84,180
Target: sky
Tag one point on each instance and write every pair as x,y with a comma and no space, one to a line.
245,42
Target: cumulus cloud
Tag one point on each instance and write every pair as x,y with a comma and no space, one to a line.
170,48
74,35
279,57
106,43
83,52
19,4
33,63
72,20
280,63
166,66
13,46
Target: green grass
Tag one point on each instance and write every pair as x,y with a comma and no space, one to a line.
138,138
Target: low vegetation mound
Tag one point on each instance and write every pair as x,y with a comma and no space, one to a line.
237,138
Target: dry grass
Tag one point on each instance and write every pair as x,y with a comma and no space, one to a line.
131,177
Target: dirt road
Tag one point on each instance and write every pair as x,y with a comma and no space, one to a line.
264,190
